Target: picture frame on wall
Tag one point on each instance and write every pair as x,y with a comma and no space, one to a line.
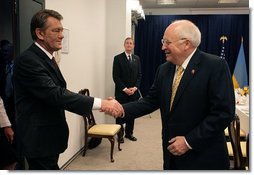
65,41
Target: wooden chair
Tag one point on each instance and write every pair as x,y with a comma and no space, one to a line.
247,151
242,135
92,129
236,148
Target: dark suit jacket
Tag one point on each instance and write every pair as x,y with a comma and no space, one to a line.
41,98
126,75
203,107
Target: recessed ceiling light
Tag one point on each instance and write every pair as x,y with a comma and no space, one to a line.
165,2
227,1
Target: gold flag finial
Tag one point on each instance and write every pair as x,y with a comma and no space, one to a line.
223,38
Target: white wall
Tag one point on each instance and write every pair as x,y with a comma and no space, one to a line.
97,29
118,27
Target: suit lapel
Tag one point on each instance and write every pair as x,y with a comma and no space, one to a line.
43,56
56,70
189,73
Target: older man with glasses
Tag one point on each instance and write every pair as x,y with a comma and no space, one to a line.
195,95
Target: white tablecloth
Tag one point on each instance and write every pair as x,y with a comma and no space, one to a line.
243,112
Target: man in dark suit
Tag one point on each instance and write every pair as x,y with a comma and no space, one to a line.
6,85
41,96
127,77
193,122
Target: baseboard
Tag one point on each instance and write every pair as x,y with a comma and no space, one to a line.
71,159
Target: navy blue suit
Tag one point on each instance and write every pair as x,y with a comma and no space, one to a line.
203,107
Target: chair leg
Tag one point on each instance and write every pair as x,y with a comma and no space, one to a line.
112,141
118,140
84,152
85,147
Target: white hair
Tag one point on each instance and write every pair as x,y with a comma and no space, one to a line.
188,30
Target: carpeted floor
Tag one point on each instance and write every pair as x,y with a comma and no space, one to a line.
144,154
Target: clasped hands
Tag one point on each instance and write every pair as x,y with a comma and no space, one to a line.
130,91
112,107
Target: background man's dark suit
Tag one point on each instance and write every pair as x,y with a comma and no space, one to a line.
126,75
41,98
203,107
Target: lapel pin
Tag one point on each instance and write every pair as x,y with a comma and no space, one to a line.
193,71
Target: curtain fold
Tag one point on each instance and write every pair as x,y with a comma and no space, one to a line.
149,32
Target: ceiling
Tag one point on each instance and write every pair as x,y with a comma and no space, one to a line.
152,4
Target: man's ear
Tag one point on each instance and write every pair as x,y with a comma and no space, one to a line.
187,44
39,34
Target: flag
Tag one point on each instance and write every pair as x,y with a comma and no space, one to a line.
240,78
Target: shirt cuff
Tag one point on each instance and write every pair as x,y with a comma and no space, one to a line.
187,143
7,124
125,89
97,104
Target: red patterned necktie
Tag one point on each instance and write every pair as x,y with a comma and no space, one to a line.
54,63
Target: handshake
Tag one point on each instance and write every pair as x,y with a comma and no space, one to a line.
112,107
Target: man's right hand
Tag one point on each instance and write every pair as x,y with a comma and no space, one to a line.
112,107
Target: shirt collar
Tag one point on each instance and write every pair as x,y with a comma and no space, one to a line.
187,60
44,50
127,54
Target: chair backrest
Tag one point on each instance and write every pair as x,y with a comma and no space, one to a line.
90,118
234,134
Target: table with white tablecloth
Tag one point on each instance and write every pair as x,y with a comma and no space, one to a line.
243,112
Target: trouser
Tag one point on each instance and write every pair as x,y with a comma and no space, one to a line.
129,125
43,163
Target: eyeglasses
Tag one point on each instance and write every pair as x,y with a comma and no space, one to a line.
166,42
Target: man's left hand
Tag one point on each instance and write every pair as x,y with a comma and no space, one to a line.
177,146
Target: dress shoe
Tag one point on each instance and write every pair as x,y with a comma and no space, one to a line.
131,137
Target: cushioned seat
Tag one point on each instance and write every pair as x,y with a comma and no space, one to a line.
243,148
104,129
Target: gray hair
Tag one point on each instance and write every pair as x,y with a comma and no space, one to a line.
189,31
39,20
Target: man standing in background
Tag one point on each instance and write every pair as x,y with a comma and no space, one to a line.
6,86
127,77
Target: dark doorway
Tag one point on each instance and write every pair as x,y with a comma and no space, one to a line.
25,10
15,37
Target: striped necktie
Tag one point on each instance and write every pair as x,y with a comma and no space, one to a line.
179,74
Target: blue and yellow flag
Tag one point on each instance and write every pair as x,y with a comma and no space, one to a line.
240,77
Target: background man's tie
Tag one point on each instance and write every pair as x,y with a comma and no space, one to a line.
129,58
179,74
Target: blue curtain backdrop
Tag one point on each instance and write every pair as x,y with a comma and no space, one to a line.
149,32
